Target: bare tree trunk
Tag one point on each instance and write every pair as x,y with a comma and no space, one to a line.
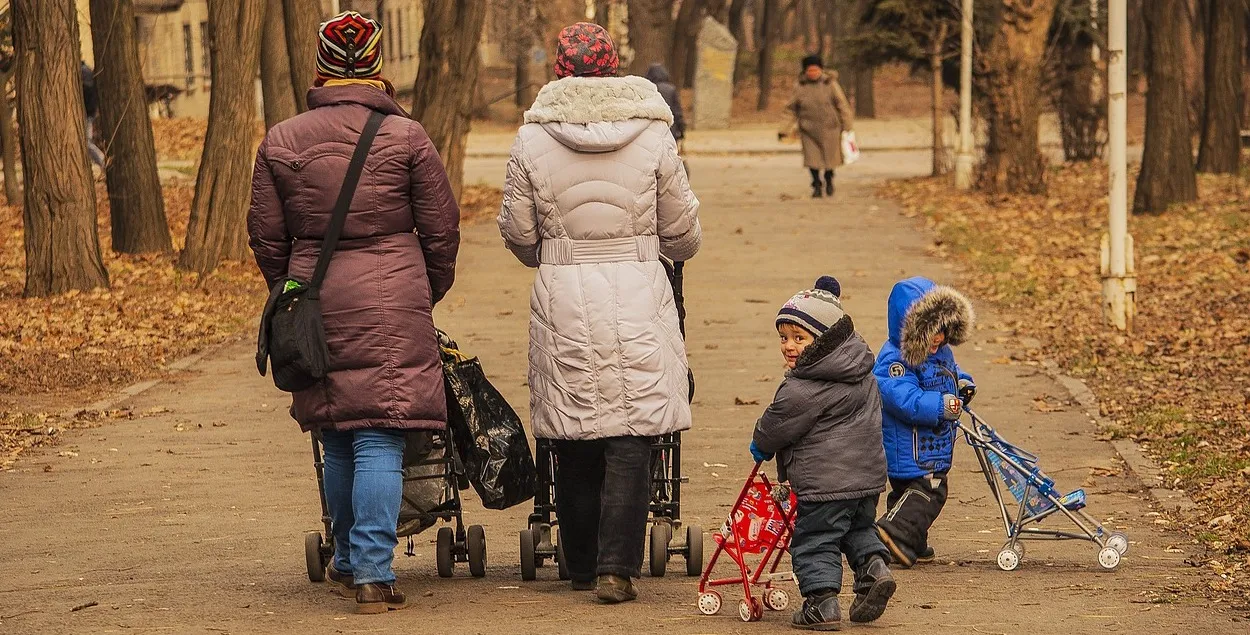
521,16
1013,98
865,96
1220,148
136,207
737,11
1167,172
442,98
685,35
217,229
275,68
302,18
603,13
770,29
941,156
650,33
8,144
59,215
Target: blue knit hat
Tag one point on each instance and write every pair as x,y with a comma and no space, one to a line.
815,309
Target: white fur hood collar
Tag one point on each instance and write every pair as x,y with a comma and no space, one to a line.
586,100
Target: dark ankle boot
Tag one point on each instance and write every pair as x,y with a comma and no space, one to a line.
379,598
818,613
828,187
874,586
816,191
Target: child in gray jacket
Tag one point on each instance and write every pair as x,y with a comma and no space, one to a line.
824,425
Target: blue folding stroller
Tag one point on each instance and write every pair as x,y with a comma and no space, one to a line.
1036,499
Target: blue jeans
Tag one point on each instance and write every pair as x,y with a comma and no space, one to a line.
364,483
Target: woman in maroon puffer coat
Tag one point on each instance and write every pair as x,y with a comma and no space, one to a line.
395,260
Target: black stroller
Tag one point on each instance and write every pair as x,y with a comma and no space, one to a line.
539,545
433,478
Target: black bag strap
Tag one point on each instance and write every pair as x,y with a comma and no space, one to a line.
344,201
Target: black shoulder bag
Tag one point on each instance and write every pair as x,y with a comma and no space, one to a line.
292,334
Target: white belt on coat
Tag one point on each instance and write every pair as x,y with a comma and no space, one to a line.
565,251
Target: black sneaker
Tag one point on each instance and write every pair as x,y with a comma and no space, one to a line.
874,586
818,613
583,585
926,556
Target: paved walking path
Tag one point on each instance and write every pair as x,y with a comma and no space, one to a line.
190,518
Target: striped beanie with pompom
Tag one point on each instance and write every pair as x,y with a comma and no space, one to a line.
349,46
815,310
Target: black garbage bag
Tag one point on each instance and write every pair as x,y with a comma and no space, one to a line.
426,496
487,432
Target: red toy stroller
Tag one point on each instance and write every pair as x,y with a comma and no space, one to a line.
761,521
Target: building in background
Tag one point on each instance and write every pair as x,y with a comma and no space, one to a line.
175,52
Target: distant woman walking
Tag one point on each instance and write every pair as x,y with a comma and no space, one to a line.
820,112
595,195
395,260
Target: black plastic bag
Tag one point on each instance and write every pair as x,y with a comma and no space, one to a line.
487,432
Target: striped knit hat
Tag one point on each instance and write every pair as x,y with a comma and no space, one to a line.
349,46
815,309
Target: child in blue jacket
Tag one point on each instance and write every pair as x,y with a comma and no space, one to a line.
923,393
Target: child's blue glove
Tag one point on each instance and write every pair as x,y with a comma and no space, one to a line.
760,455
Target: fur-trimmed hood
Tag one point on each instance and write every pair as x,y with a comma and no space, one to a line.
919,309
584,100
838,355
598,114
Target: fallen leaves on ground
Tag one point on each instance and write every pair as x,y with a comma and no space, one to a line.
1180,383
75,347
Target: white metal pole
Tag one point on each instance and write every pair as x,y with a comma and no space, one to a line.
1119,283
963,159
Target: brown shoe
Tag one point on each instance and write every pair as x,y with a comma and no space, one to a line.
376,597
345,583
614,589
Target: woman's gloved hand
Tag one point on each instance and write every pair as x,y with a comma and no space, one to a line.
967,390
760,455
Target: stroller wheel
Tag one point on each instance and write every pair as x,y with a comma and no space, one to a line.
694,550
709,603
313,557
750,610
1119,542
777,600
1009,560
442,551
529,567
477,550
1019,549
659,549
1109,558
562,565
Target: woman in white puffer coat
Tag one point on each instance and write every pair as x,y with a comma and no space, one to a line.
595,195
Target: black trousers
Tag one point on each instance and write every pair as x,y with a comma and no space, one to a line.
912,507
602,499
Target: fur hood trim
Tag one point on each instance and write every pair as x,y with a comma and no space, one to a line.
940,310
585,100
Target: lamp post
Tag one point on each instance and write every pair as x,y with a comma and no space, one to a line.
963,159
1119,279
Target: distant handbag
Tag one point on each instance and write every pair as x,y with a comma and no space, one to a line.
292,333
850,149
